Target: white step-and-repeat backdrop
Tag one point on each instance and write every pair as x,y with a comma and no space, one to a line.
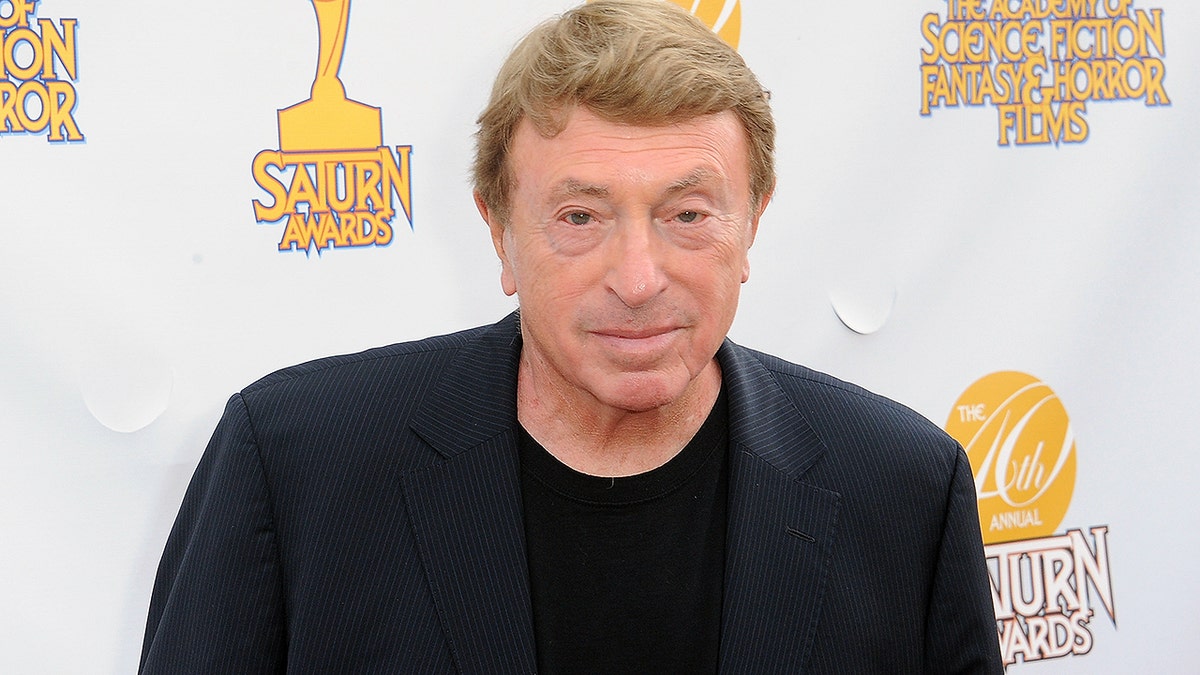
987,209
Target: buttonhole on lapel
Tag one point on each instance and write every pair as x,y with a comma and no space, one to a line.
800,535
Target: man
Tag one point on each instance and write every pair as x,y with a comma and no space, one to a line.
602,482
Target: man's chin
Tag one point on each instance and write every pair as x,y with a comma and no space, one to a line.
643,392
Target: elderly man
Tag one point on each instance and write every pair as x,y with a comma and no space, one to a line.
601,482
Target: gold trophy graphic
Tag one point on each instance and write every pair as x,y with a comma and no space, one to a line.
328,120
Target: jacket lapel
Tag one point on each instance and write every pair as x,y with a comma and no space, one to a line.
780,532
466,510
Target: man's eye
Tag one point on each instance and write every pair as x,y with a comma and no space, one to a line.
579,218
688,217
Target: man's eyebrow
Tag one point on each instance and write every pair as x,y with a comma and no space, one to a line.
693,179
573,188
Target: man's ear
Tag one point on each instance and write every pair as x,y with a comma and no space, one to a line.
754,217
499,231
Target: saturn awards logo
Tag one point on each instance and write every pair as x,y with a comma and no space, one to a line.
332,182
1046,587
38,67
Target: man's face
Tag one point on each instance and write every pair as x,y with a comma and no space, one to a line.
627,247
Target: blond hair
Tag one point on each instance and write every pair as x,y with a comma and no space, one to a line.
642,62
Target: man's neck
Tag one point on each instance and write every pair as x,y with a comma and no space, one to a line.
601,440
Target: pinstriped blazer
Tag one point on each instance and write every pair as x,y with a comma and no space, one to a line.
362,514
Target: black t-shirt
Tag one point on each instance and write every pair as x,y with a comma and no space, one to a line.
626,573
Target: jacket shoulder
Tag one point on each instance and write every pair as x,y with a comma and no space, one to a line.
803,384
859,426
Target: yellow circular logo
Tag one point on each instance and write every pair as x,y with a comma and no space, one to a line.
1022,450
723,16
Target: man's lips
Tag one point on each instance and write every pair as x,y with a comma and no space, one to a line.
637,343
626,333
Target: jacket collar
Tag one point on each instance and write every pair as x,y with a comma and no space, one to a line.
466,513
476,398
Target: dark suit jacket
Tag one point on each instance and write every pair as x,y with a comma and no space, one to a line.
362,514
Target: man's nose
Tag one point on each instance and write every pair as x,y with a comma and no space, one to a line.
635,262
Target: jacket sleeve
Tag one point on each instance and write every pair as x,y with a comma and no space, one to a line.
960,631
217,604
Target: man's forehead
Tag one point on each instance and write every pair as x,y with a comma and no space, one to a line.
575,120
